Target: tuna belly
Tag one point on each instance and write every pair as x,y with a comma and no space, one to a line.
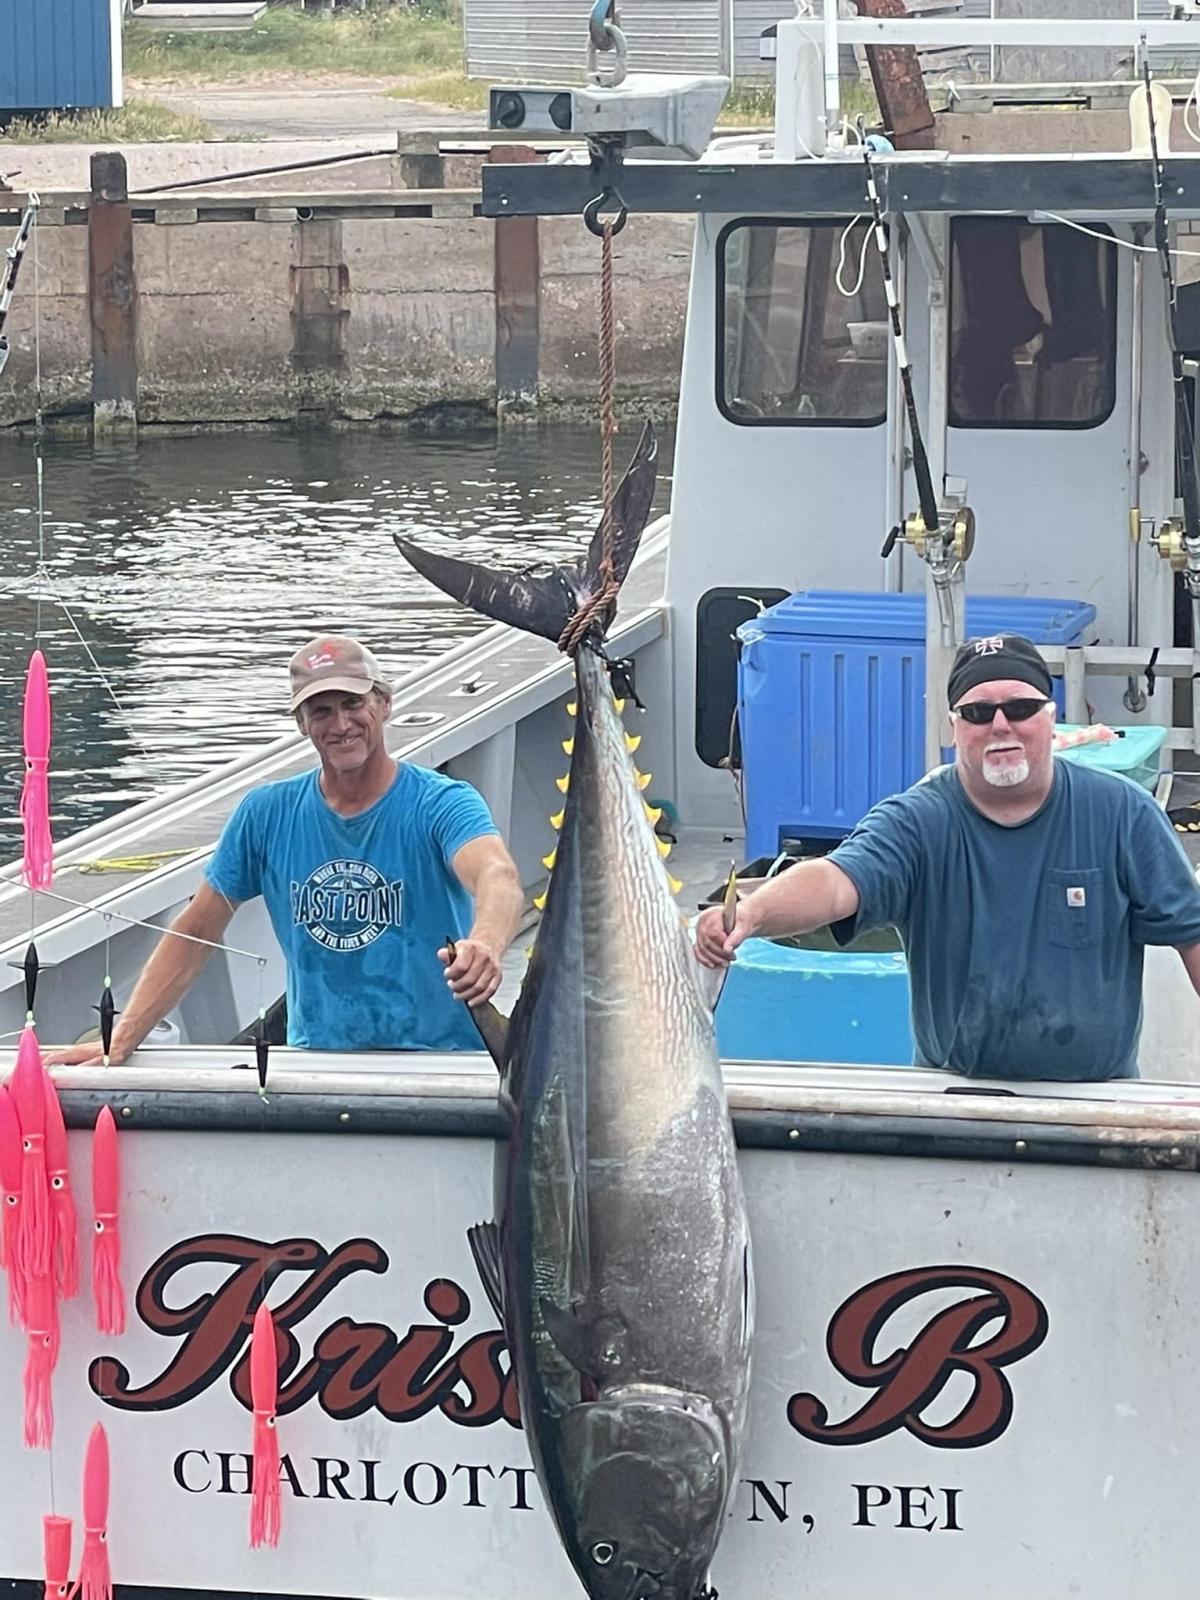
666,1255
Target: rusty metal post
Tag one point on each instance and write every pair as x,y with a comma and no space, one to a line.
112,295
899,83
517,282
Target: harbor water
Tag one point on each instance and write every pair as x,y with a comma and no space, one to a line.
168,581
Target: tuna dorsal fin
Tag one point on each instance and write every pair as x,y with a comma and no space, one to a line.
544,602
493,1030
484,1239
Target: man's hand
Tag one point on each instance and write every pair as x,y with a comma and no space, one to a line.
714,946
90,1054
474,972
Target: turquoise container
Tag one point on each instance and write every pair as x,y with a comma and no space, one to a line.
781,1004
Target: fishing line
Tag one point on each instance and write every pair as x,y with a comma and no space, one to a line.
1109,238
154,927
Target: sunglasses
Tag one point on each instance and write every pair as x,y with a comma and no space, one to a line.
981,712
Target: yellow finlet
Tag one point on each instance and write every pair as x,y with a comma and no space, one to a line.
556,821
569,746
563,784
664,847
619,704
529,952
676,883
539,901
729,900
571,708
548,861
653,813
643,780
632,740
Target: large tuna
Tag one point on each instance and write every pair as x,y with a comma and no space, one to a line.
620,1258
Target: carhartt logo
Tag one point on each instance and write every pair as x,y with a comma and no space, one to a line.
991,646
1077,897
324,659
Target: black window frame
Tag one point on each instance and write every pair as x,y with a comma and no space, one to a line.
719,363
1113,290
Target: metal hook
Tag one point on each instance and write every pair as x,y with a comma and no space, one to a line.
591,212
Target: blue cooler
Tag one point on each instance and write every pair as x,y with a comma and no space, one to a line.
831,701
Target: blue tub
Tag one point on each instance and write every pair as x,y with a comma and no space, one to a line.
781,1004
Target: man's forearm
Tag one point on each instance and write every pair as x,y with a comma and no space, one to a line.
499,903
805,897
165,979
1189,954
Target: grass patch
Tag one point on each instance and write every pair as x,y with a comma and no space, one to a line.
137,122
752,105
375,43
444,89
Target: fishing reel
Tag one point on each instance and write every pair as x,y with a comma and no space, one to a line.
955,534
1171,542
1168,540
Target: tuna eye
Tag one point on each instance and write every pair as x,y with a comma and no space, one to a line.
602,1553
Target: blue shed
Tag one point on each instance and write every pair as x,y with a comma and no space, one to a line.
59,54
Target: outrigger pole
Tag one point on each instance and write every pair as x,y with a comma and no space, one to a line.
1180,547
14,255
942,540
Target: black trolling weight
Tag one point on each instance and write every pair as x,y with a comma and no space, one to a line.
108,1012
32,968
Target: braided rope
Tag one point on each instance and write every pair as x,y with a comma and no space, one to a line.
600,602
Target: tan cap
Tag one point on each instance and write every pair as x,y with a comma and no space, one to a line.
333,661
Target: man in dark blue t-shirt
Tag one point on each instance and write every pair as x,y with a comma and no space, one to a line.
1025,889
366,864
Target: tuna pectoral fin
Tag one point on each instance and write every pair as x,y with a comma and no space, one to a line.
493,1030
712,984
544,602
484,1239
571,1337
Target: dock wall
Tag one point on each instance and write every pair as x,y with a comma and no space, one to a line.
242,307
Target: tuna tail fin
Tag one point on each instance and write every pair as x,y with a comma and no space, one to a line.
545,602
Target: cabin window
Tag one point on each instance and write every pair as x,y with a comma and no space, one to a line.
792,348
1033,325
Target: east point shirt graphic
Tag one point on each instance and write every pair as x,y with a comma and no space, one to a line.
347,905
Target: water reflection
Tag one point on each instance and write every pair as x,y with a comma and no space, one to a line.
191,568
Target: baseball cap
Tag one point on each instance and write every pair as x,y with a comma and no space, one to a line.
334,661
999,656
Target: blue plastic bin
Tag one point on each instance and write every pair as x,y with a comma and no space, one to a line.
781,1004
831,701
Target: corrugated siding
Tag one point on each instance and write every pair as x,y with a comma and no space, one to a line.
546,40
750,18
55,54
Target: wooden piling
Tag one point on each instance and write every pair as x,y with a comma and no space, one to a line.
320,282
517,282
112,296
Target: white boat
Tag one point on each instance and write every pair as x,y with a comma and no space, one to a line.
976,1306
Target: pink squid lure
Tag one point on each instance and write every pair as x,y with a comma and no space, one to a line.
264,1383
106,1249
35,796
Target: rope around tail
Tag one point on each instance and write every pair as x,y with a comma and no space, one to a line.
606,594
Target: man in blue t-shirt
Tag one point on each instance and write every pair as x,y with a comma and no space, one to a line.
1025,890
366,865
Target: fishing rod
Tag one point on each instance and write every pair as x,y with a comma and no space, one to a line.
13,256
1185,437
920,461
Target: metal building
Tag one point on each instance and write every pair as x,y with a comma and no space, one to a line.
57,55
